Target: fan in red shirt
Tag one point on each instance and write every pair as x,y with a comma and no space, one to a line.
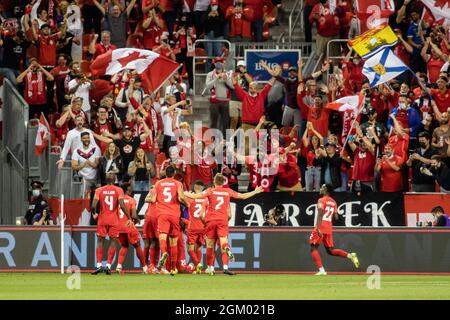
205,165
323,231
196,227
128,234
216,219
103,127
390,168
152,29
240,21
47,44
168,196
104,46
316,113
110,198
289,172
441,95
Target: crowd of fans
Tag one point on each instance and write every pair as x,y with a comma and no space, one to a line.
111,124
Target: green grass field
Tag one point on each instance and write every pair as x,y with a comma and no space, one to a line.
242,286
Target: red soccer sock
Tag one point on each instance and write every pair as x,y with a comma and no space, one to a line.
146,254
225,246
111,253
210,257
99,255
193,256
224,258
122,254
163,246
173,257
199,255
153,257
339,253
140,256
316,258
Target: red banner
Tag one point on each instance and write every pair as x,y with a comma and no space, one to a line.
76,211
418,206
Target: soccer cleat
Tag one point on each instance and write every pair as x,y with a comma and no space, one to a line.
198,270
321,273
164,271
355,260
97,271
163,259
119,270
229,272
229,254
107,271
145,270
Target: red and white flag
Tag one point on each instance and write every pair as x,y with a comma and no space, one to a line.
440,9
374,13
153,68
345,104
42,136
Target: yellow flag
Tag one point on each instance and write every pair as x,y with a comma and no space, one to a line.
373,40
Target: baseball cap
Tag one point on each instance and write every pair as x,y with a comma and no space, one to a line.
292,68
44,26
126,128
372,111
241,63
214,2
330,144
36,184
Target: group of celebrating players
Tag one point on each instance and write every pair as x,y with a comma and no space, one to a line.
209,212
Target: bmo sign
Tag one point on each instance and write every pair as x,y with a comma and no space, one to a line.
284,58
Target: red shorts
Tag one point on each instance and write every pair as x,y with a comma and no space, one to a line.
216,229
150,230
196,237
169,225
131,237
107,230
327,239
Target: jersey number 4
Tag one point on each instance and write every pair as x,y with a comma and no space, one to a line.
109,200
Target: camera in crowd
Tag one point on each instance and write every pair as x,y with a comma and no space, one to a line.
424,224
276,216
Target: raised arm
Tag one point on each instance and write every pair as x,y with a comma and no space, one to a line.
248,195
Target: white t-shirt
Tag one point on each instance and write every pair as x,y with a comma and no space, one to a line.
172,89
91,154
167,120
83,92
73,141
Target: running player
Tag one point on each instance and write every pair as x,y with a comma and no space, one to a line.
168,197
217,218
323,231
110,198
129,234
196,227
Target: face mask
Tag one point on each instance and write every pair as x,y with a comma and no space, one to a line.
36,192
444,122
423,145
214,8
356,61
402,106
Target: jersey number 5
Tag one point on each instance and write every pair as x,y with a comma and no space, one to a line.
167,195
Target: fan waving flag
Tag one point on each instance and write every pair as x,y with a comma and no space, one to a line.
153,68
440,9
382,67
42,136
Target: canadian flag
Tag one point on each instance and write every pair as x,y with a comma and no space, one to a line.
153,68
42,136
374,13
440,9
346,104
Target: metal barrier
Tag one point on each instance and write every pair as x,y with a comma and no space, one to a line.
14,155
334,59
298,5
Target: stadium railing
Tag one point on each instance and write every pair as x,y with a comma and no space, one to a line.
295,16
14,156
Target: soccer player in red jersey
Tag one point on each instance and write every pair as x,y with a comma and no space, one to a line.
323,231
217,217
196,226
129,234
110,198
168,195
150,233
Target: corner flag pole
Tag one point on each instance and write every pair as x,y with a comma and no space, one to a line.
61,219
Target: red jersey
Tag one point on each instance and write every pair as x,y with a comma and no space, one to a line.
219,203
364,164
109,197
400,145
261,172
100,48
130,203
167,197
441,99
204,169
196,206
391,180
289,172
151,209
329,207
47,49
99,128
